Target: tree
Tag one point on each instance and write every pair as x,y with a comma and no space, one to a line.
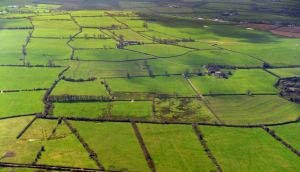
145,25
50,63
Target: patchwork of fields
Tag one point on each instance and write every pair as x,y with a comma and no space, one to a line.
125,91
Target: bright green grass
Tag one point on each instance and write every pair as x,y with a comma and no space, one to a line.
109,55
91,33
182,110
132,22
94,88
159,49
281,52
158,35
40,130
116,151
40,51
16,78
53,17
64,149
244,149
55,28
11,48
105,69
14,23
198,45
87,13
289,133
116,109
286,72
21,103
255,80
9,129
130,35
175,148
97,21
254,109
162,85
93,43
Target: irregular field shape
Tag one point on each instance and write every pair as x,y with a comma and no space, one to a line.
97,21
93,88
130,35
18,78
286,72
289,133
55,28
15,23
254,109
114,110
21,103
91,33
175,148
109,55
117,151
11,48
254,80
244,149
161,85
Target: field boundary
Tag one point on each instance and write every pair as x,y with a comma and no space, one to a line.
26,128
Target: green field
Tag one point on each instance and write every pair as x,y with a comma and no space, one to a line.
289,133
101,22
242,149
286,72
15,23
253,109
113,110
118,151
241,82
54,28
175,148
93,43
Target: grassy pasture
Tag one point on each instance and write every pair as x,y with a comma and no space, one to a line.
159,49
154,34
93,43
21,103
254,80
9,143
289,133
173,85
53,17
40,50
109,55
175,148
83,69
11,48
182,110
55,28
40,130
101,22
91,33
14,23
115,109
130,35
64,149
199,45
254,109
17,78
286,72
118,151
86,13
243,149
135,23
94,88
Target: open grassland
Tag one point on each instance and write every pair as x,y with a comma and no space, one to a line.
100,22
173,85
91,33
253,109
117,151
130,35
21,103
93,43
241,82
40,130
86,13
15,23
53,17
54,28
17,151
185,109
40,51
113,110
175,148
244,149
11,48
18,78
159,50
289,133
157,35
109,55
286,72
94,88
63,149
85,70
